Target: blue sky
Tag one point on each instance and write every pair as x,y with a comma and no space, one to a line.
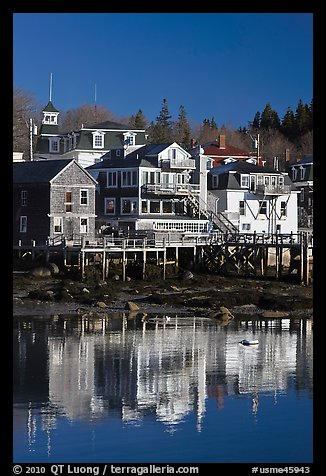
226,65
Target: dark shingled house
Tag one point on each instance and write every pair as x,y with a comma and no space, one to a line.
52,198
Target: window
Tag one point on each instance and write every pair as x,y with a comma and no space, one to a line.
23,224
68,202
244,181
129,178
111,179
283,209
54,145
57,224
129,139
215,181
273,180
154,206
302,173
302,195
128,206
118,153
252,183
267,180
260,180
242,209
245,226
281,180
98,140
84,225
262,207
294,173
109,206
167,206
23,198
84,197
144,206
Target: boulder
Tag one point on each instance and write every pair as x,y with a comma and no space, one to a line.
54,268
41,272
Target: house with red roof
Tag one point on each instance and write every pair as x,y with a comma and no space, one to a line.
221,153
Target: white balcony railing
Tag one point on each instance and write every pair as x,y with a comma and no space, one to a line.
273,189
178,164
171,189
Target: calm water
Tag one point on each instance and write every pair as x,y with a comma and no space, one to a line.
120,390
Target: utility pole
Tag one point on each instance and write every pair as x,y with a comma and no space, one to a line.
32,132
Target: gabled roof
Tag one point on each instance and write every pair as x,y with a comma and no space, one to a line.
145,156
41,171
213,149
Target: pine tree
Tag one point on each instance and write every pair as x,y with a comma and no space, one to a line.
288,127
256,121
162,130
182,129
138,121
269,118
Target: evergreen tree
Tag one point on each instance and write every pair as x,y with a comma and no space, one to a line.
269,118
288,127
162,130
256,121
182,129
303,118
138,121
213,124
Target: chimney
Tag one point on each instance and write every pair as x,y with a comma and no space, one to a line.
222,141
287,155
192,143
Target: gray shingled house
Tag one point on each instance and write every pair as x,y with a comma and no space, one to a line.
52,199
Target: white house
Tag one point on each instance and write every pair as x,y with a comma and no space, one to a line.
254,198
149,189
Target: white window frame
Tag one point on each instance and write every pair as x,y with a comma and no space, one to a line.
54,145
129,178
83,228
106,200
113,180
57,223
245,182
302,172
246,226
81,198
133,205
23,224
96,136
129,138
23,198
242,209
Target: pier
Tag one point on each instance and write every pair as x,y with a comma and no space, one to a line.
249,254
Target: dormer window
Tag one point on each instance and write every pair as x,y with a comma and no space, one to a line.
129,138
98,140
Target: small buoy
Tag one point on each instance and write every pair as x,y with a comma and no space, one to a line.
249,342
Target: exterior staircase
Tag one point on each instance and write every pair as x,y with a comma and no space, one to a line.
199,208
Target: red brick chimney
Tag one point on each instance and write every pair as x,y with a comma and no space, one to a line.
287,155
222,141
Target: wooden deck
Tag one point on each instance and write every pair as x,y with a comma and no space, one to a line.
216,251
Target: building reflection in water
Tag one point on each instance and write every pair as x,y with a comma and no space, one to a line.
86,369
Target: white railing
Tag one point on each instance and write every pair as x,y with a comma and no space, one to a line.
178,164
171,188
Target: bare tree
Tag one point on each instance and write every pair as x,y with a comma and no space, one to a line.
25,107
85,114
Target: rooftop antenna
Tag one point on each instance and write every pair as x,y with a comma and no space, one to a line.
51,87
95,94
